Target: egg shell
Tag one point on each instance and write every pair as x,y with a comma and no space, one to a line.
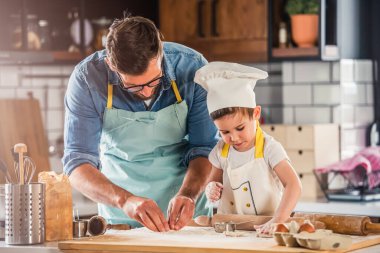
281,227
307,227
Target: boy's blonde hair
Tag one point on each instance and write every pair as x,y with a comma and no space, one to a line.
244,111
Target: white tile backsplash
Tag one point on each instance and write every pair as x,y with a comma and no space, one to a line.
363,71
38,94
268,95
353,139
313,115
287,72
326,94
7,93
9,76
364,115
311,72
347,116
353,93
46,70
347,70
51,82
274,116
288,115
369,94
67,70
336,71
55,98
297,94
54,120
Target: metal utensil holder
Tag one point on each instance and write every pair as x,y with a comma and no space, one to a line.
24,213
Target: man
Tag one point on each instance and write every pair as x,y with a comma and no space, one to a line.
137,130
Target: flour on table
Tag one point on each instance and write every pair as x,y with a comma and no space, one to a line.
198,234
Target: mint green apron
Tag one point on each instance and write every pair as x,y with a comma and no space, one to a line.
142,152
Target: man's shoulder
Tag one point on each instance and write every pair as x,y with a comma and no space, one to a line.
172,49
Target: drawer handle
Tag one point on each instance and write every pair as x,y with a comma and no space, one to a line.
300,128
301,175
300,152
272,128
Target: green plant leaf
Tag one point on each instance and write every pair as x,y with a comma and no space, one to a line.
294,7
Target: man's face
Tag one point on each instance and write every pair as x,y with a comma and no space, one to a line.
153,72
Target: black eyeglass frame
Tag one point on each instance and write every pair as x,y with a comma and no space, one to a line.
140,87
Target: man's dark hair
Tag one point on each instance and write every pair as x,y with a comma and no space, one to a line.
132,43
244,111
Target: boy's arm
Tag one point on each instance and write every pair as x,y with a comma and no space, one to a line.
292,190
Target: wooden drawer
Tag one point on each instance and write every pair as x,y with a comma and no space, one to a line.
310,187
303,161
300,137
278,132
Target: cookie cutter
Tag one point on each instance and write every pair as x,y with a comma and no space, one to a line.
221,227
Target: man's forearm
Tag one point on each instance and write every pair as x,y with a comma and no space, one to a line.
93,184
196,178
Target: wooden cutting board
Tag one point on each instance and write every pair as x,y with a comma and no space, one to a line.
188,240
21,122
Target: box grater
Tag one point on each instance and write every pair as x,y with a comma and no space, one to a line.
24,213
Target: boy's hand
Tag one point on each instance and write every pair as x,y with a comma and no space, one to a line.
213,191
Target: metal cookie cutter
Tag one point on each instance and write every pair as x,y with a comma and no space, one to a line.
221,227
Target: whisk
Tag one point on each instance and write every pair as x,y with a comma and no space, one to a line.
28,170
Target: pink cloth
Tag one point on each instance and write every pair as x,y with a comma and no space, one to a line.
367,159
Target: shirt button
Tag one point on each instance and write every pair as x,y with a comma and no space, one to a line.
245,189
248,205
232,203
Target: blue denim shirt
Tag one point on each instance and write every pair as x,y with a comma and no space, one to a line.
86,98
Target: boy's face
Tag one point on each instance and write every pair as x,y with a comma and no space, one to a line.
239,130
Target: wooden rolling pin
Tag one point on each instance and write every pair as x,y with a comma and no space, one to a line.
247,222
344,224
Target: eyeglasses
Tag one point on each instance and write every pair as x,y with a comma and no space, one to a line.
136,88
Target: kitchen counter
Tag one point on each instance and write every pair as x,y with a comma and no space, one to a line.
371,209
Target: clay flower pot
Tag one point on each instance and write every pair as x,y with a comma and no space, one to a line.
305,29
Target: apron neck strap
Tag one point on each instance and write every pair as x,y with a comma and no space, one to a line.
259,144
176,92
110,93
109,96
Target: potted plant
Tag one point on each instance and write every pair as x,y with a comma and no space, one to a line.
304,21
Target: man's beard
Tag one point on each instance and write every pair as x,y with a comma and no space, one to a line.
142,97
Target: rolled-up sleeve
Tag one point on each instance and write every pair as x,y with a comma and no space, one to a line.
82,125
202,132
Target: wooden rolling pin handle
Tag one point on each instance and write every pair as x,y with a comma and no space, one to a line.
118,226
373,228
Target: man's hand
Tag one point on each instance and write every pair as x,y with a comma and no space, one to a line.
180,211
213,191
147,212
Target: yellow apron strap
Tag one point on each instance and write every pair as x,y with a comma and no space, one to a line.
109,96
176,92
259,151
225,149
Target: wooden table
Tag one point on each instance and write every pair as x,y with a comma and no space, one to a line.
203,240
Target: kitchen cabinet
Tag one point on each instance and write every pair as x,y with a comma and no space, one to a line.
229,30
308,147
70,26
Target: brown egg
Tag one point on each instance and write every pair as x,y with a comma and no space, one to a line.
281,227
307,227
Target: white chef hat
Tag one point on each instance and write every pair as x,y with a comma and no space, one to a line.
229,84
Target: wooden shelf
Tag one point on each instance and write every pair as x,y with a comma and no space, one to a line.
67,56
295,52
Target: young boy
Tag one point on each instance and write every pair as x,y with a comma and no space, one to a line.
251,171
